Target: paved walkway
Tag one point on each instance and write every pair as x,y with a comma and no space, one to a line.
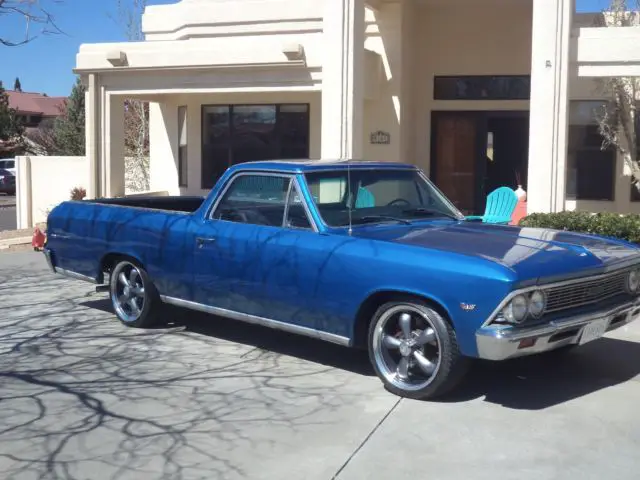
207,398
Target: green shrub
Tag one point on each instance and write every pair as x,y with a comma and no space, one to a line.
624,227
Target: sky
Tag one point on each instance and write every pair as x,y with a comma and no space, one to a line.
45,64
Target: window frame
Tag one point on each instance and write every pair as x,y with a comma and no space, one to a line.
229,147
588,148
183,174
293,183
438,96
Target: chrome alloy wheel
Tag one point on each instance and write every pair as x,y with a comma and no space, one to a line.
127,293
406,347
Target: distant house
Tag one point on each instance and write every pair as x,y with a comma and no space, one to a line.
33,108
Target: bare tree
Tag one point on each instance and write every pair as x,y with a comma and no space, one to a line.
34,15
44,138
136,116
617,119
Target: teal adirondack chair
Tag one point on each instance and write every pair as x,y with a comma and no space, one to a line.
501,203
365,198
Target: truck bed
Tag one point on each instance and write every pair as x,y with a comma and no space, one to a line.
187,204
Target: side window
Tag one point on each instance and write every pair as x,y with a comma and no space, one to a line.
296,213
255,199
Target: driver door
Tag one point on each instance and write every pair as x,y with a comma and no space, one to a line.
249,253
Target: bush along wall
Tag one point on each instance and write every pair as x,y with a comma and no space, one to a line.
624,227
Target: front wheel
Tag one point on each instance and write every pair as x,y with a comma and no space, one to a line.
414,350
133,296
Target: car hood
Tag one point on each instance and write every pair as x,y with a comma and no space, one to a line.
534,254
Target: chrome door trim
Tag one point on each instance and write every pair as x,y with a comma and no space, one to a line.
75,275
267,322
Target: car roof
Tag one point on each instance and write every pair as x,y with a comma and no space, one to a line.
308,165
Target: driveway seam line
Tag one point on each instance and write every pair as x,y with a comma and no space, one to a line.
366,439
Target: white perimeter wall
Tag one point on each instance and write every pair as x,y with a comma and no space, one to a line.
43,182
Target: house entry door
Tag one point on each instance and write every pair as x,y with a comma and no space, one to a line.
455,151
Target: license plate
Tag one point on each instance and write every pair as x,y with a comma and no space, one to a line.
594,330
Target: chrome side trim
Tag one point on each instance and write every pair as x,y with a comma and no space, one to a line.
267,322
74,275
546,286
501,343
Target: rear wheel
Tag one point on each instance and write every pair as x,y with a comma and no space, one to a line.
133,296
414,350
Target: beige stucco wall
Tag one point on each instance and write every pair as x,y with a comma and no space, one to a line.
473,40
234,52
164,133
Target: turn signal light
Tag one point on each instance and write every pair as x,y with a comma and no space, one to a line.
527,343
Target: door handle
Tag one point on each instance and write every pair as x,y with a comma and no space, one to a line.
201,241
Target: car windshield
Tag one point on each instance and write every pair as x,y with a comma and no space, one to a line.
382,195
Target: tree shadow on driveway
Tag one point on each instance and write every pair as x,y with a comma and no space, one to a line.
257,336
527,383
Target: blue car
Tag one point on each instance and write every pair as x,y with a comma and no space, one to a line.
368,255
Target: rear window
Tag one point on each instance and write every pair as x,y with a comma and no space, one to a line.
7,164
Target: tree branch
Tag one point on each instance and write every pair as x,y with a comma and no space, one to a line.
617,119
31,12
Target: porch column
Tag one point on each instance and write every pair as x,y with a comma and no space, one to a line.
92,135
549,117
163,139
343,79
113,146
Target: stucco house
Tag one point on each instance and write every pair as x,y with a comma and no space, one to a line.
479,93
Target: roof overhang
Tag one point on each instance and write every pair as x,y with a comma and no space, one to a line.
607,51
195,54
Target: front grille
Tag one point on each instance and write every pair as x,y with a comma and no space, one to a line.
585,293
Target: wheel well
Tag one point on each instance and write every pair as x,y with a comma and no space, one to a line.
368,309
111,259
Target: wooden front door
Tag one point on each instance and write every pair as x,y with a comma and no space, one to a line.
454,157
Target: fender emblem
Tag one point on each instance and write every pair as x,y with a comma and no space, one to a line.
467,307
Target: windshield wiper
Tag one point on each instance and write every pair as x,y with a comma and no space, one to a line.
375,218
427,211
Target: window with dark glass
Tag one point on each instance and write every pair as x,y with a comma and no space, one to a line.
233,134
182,146
482,87
255,199
590,168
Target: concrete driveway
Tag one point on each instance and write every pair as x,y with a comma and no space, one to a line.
207,398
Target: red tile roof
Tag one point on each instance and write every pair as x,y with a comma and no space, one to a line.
28,102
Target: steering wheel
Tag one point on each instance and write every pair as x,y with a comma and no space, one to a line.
398,200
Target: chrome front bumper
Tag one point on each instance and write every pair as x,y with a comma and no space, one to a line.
503,342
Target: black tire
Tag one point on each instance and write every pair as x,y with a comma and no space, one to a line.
148,305
450,365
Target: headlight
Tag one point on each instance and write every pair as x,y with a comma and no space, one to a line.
633,281
516,310
537,303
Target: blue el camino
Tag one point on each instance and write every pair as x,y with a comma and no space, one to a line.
368,255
